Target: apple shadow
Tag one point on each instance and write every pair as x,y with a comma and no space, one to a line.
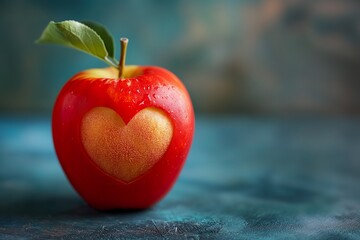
68,206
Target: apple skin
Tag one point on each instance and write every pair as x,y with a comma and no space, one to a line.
142,87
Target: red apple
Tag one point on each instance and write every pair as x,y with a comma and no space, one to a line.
122,135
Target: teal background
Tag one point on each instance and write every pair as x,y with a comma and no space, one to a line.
275,86
262,57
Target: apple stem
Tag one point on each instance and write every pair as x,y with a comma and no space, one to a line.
123,43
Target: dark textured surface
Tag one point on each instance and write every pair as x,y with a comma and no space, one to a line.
246,178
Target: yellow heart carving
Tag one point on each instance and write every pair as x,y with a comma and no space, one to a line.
126,151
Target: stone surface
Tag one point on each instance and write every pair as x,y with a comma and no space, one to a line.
245,178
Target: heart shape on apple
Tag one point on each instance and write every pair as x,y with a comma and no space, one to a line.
126,151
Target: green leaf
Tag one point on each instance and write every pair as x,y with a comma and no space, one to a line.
78,36
104,34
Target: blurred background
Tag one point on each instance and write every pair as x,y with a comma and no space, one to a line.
273,57
276,88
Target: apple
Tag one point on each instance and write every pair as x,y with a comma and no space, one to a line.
122,134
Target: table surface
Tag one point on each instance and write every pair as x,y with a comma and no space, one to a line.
245,178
